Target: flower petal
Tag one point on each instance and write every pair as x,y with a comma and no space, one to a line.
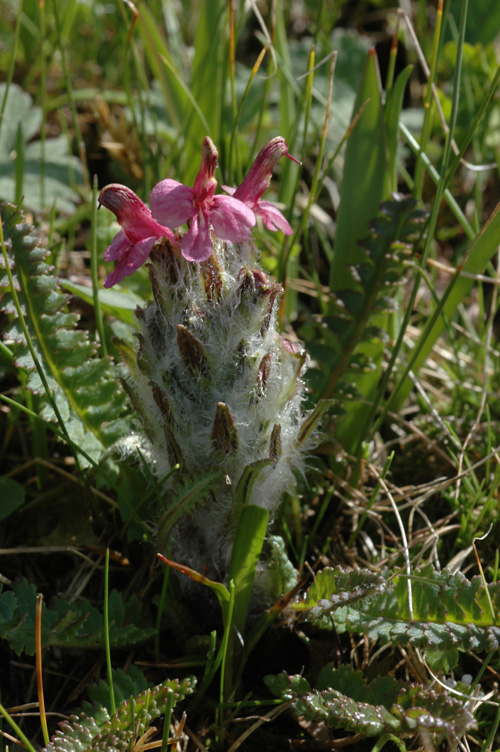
119,245
273,218
205,183
259,176
196,245
132,214
130,261
231,219
172,203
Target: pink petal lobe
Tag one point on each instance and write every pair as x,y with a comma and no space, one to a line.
196,244
229,190
130,261
231,219
172,203
273,218
119,245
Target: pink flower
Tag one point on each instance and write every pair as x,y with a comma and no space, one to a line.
257,182
135,241
174,203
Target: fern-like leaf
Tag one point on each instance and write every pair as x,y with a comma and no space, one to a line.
83,385
101,732
75,625
354,313
343,699
449,612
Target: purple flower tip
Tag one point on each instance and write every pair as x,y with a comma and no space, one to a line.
257,182
133,244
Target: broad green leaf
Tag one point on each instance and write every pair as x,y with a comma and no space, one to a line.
21,159
121,305
247,548
11,496
246,485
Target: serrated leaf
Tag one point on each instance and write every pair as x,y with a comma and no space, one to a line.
345,700
450,613
189,493
84,387
379,269
115,733
125,685
75,625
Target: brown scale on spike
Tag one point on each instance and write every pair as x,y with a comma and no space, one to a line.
224,433
192,352
168,257
173,449
252,279
161,400
275,294
300,356
275,445
262,376
156,332
156,288
141,359
212,278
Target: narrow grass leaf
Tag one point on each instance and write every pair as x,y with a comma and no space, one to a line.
366,176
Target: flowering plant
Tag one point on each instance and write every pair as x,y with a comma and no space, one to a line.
217,389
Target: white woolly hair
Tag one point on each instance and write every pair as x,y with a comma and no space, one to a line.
249,370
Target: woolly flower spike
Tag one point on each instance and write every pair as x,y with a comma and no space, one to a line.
257,182
135,241
174,203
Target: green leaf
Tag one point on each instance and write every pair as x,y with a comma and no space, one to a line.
20,161
83,385
246,485
393,106
338,587
345,700
312,420
190,492
97,730
365,176
125,685
75,625
11,496
449,612
483,248
247,548
121,305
